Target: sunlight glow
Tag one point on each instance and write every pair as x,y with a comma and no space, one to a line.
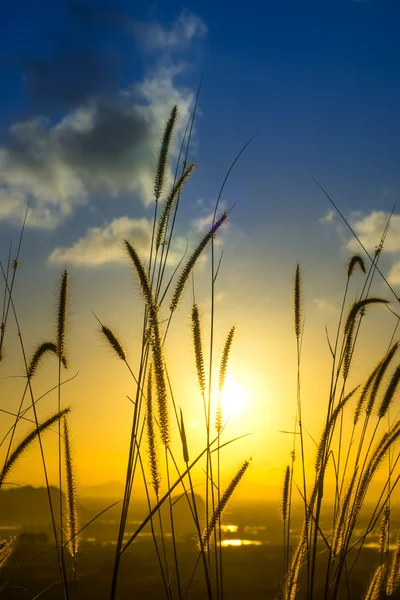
239,542
234,398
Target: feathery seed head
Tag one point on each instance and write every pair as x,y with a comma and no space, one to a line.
224,359
297,302
151,436
114,343
38,354
192,261
62,315
27,441
185,449
381,371
285,494
357,307
390,392
70,497
355,260
222,504
141,273
198,348
164,150
7,547
168,204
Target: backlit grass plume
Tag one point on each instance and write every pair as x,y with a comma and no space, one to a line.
390,392
185,449
355,261
297,302
223,367
40,351
356,309
348,350
70,496
365,392
163,155
168,204
160,379
384,531
7,547
62,317
394,576
222,504
380,451
114,342
27,441
377,583
285,494
151,436
192,261
383,367
198,348
330,426
141,274
342,518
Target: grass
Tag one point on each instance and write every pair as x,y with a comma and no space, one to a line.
330,546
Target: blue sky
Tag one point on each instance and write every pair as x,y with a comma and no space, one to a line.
317,81
86,90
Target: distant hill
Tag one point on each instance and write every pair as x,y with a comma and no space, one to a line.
113,490
27,505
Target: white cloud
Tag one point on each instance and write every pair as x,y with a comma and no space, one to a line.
329,217
394,274
102,245
107,147
369,229
184,29
324,304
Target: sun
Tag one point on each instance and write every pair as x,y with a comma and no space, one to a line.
234,399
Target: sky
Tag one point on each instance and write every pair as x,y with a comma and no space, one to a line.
86,91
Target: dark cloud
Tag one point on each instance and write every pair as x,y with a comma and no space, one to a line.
68,78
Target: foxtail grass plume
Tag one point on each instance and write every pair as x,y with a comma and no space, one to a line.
40,351
390,392
141,274
114,342
394,576
185,449
27,441
383,367
159,371
219,419
70,496
355,261
330,427
223,367
62,317
164,151
365,391
377,584
168,204
348,350
198,348
357,307
222,504
7,547
151,436
285,494
297,302
380,451
384,531
192,261
342,518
